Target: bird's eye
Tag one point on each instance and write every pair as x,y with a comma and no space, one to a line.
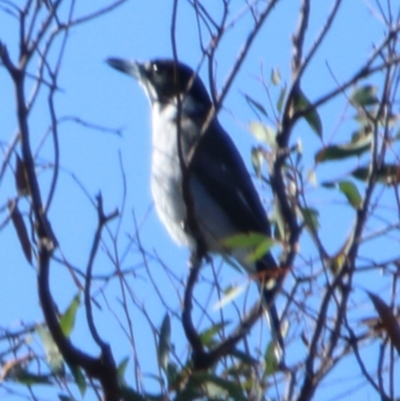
154,68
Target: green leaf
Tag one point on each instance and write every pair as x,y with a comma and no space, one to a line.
260,250
232,293
336,263
364,133
164,344
122,368
263,133
271,359
258,106
67,320
277,222
53,355
364,96
220,388
281,99
257,160
217,388
207,336
361,173
329,184
172,373
258,244
244,357
78,377
338,152
312,116
388,174
275,76
389,320
251,239
349,189
298,151
310,217
351,192
312,177
23,376
20,228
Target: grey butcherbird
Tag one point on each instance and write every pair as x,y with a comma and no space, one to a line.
224,199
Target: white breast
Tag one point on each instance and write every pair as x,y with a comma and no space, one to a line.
212,221
166,174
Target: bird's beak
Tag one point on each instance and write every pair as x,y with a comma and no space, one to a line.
128,67
138,71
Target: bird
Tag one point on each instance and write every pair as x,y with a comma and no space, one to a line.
189,143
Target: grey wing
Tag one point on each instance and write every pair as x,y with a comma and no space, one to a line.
218,165
220,169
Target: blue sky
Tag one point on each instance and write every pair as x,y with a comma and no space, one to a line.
95,93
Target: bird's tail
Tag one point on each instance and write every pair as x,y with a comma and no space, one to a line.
270,282
274,323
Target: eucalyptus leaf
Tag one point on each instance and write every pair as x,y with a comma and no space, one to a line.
67,320
275,76
281,99
257,105
263,133
364,96
349,189
301,103
164,344
388,174
53,355
310,217
346,150
257,159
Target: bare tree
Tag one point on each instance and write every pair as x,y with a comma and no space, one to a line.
218,357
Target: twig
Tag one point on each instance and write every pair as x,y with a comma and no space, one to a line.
190,331
102,221
102,368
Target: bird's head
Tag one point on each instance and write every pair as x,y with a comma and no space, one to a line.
163,80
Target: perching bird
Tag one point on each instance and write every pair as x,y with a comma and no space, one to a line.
224,199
